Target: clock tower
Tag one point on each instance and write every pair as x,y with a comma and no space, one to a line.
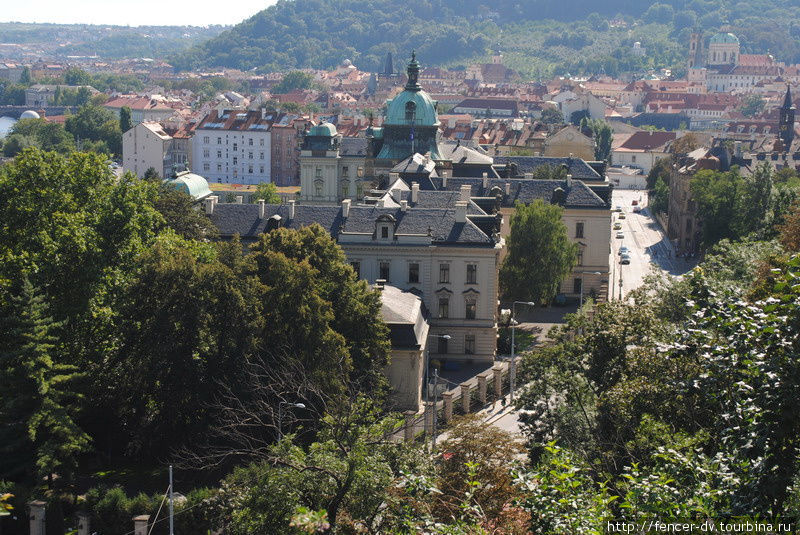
786,120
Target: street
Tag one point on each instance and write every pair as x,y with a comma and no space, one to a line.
648,244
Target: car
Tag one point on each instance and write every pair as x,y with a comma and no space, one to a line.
637,209
621,216
617,226
625,259
635,203
618,208
620,235
624,250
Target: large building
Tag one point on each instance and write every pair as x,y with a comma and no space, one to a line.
234,146
148,145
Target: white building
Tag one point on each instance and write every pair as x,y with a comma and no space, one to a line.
148,145
233,146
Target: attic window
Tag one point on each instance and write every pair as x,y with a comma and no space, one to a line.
411,111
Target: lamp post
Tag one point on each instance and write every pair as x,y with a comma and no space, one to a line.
512,371
427,384
280,414
582,285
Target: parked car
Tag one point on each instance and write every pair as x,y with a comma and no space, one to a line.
624,250
621,216
635,203
617,226
637,209
618,208
620,235
625,259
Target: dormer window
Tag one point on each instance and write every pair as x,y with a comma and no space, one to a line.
384,231
384,227
411,111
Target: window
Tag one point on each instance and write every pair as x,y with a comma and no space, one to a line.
444,273
579,229
235,145
580,257
250,169
384,231
444,307
359,190
413,272
250,142
219,167
633,158
345,171
261,141
469,344
357,268
235,160
472,273
471,309
411,111
219,154
219,141
318,188
261,169
318,172
442,346
206,167
205,153
384,268
206,140
250,155
261,155
577,285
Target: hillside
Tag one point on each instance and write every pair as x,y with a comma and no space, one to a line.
539,37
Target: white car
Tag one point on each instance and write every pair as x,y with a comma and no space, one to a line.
624,250
625,259
620,235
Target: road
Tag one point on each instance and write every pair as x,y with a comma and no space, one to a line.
649,246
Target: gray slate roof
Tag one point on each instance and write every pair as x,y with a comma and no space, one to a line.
353,146
243,219
405,314
527,164
526,190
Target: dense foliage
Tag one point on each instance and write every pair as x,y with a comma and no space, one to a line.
538,38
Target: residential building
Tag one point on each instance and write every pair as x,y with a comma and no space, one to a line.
143,109
234,146
332,167
487,107
447,255
642,149
148,145
569,141
42,95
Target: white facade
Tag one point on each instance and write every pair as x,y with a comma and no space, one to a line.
231,156
147,145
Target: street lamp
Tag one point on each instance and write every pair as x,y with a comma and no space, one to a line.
280,414
512,372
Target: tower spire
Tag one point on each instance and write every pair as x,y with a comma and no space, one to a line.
413,73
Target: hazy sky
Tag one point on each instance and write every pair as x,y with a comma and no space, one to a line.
134,13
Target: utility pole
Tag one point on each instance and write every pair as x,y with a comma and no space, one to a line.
171,511
435,412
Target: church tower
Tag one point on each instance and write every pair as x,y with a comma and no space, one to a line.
786,119
697,54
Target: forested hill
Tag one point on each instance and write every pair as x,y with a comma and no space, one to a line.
539,37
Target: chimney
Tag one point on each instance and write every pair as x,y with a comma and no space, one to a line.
444,179
466,192
404,206
508,189
381,202
485,180
346,208
414,193
451,122
291,210
569,180
209,203
263,113
239,199
140,524
262,208
461,211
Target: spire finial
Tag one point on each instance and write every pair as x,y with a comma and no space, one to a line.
413,55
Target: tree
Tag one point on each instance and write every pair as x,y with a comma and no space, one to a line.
717,196
267,191
539,254
602,134
25,76
16,143
752,105
293,80
152,175
96,124
552,116
180,215
76,76
46,136
660,197
125,119
37,407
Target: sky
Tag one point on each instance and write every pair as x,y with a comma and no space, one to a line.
137,13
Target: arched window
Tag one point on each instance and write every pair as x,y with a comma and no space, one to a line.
411,111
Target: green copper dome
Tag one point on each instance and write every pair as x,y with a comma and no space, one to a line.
191,184
412,107
724,39
323,130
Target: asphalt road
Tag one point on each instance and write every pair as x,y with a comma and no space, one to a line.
650,249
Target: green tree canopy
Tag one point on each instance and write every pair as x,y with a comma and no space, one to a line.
293,80
539,254
267,191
